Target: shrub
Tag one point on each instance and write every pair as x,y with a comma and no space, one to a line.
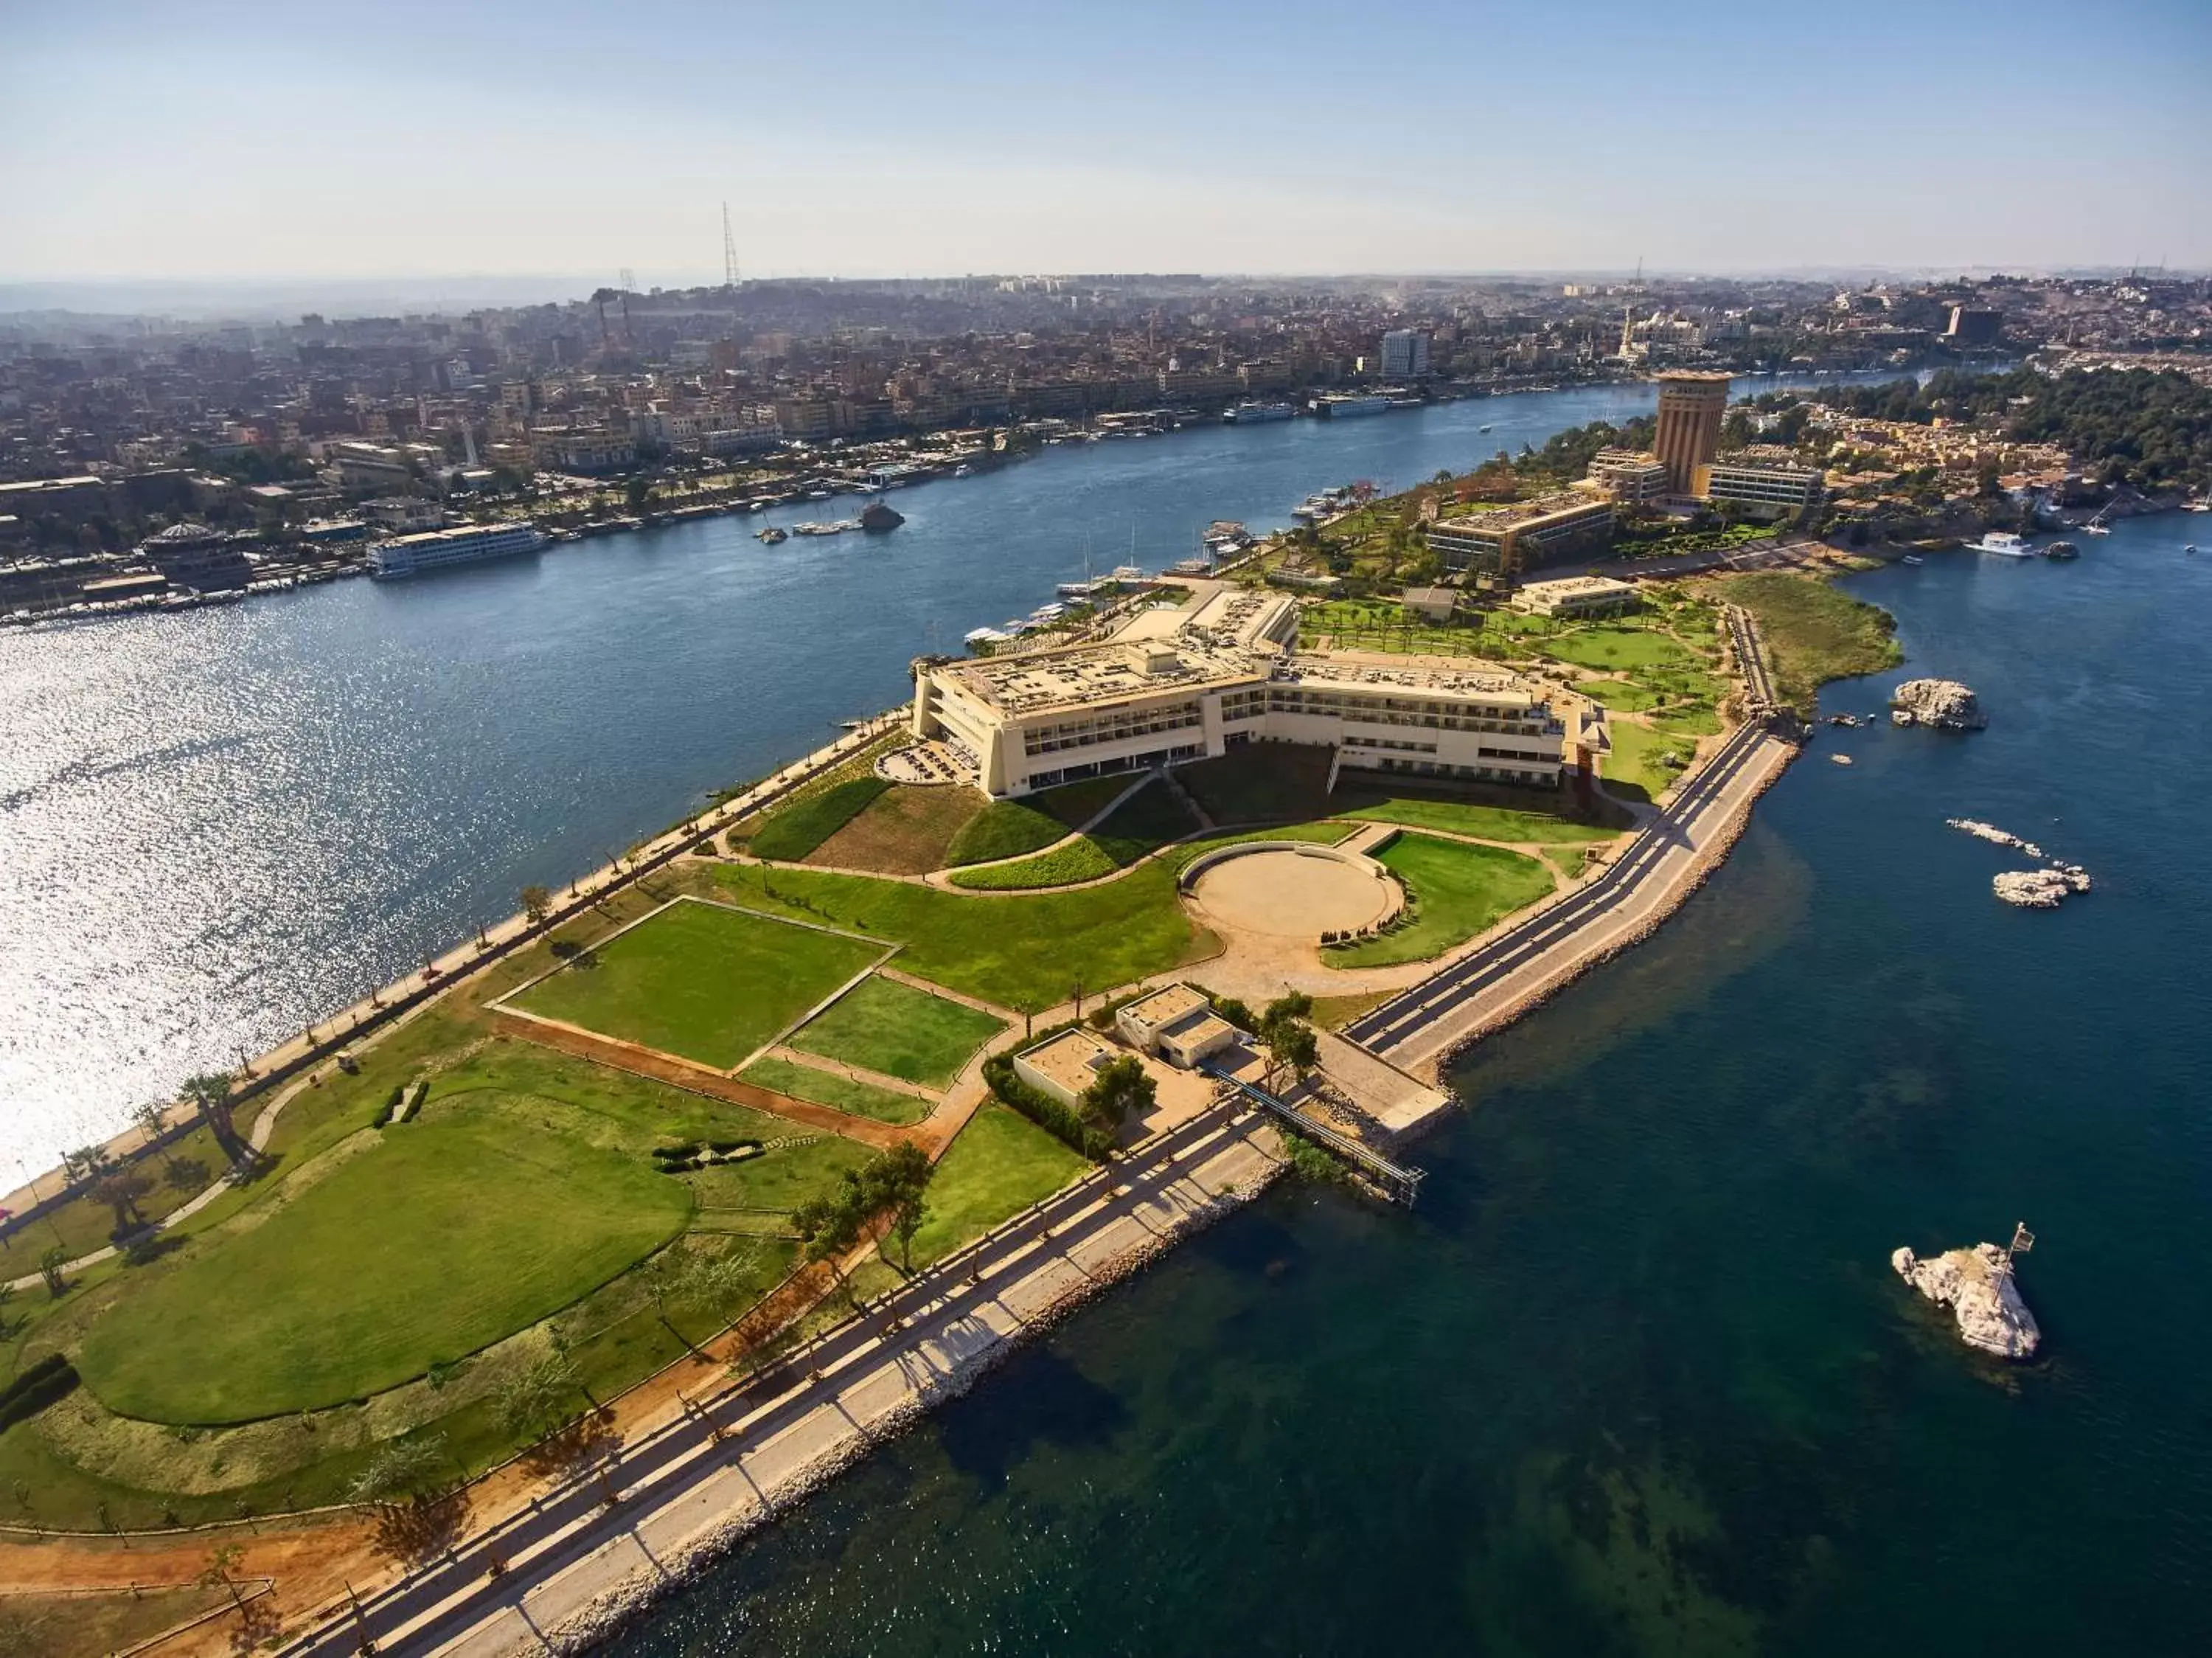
38,1385
383,1117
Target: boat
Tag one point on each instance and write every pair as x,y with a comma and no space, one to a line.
1913,559
1482,429
412,555
1253,414
2096,526
772,534
877,518
2191,547
2061,550
963,469
2004,544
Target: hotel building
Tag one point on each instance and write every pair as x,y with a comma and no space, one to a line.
1771,481
1636,477
1508,540
1691,409
1175,687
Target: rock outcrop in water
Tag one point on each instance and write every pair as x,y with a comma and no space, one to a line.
1940,705
1980,1294
2029,889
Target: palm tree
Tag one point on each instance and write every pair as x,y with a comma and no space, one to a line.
210,1095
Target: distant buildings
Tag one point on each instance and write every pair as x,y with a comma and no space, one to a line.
1691,408
1970,327
1404,354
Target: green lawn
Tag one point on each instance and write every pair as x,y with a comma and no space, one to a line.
1638,757
1022,953
1008,828
702,980
1458,890
1616,648
826,1088
882,1025
908,830
1001,1164
786,1178
1489,822
1148,820
796,829
1063,866
1261,782
1621,696
452,1233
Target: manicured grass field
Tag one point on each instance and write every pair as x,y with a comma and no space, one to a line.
796,829
908,830
1148,820
449,1234
1021,952
702,980
1621,696
1008,828
1001,1164
1617,649
1489,822
882,1025
1638,759
1459,890
826,1088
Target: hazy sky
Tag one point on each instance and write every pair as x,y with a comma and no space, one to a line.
208,140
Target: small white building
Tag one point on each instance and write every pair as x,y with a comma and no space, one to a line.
1177,1023
1066,1065
1576,595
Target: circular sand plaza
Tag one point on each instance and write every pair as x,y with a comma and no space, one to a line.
1291,889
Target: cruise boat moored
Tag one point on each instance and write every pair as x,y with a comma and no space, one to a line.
415,555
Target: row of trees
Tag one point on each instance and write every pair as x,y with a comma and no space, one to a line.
897,1180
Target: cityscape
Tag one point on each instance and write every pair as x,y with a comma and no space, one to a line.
1008,861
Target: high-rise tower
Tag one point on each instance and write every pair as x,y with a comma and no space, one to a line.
1691,408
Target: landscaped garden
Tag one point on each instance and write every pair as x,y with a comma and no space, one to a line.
838,1092
704,981
1008,828
883,1025
1000,1165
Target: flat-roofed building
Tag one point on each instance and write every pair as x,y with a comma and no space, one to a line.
1064,1066
1431,604
1634,476
1691,409
1506,540
1577,595
1177,1023
1771,481
1227,675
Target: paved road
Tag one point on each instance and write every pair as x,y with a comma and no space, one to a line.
679,1484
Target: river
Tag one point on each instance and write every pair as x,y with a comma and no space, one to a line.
1636,1377
219,826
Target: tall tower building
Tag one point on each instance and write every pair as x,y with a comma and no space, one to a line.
1691,408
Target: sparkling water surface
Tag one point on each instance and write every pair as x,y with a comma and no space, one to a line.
218,825
1636,1378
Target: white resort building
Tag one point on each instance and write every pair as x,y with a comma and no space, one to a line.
1178,685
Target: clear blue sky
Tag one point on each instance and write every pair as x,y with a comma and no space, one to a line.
161,140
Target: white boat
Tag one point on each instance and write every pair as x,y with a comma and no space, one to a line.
2093,528
1482,429
1913,558
412,555
2004,546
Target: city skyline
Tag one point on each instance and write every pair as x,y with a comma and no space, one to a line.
1717,137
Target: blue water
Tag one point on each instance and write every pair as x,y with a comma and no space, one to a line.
217,826
1636,1378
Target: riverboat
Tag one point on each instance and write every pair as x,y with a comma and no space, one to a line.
2004,544
1253,414
415,555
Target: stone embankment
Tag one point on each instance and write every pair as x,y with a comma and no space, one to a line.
1976,1284
1939,704
2028,889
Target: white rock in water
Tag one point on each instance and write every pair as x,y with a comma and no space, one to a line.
1942,704
1986,1301
2039,889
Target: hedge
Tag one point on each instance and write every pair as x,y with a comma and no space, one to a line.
38,1385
